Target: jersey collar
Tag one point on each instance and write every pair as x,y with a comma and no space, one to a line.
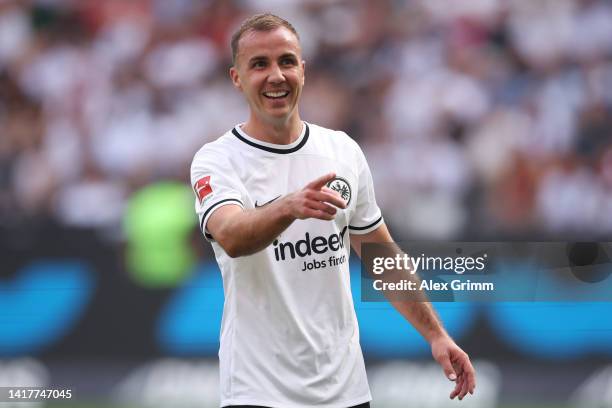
271,147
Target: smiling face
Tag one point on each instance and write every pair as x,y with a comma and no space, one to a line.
270,72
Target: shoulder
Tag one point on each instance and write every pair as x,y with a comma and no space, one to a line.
216,151
337,139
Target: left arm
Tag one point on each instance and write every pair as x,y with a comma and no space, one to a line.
422,316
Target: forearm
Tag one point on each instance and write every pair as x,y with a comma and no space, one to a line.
423,317
250,231
243,232
417,309
414,307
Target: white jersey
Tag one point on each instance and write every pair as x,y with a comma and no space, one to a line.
289,334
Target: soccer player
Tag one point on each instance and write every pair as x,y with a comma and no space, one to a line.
281,200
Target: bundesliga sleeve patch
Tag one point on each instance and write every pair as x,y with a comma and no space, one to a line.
203,188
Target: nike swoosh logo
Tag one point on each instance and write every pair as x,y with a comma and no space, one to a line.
266,203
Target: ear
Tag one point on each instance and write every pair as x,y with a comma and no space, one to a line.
303,71
233,72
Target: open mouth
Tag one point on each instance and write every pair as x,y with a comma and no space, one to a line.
276,95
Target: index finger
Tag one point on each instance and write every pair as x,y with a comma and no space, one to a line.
458,385
321,181
469,375
327,197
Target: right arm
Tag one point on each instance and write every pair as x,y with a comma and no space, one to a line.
243,232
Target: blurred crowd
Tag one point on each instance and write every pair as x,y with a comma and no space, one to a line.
479,118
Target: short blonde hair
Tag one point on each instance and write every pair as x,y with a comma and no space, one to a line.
259,22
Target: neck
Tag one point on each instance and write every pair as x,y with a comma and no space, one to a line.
285,132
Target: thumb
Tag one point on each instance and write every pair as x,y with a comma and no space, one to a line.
449,371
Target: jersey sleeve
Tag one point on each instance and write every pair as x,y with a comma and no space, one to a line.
215,183
367,215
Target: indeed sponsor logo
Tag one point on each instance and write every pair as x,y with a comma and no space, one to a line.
307,246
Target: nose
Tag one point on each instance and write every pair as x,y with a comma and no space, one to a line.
276,74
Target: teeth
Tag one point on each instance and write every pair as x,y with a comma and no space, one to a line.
276,94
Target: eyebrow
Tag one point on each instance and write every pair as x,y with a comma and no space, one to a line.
288,54
258,58
265,58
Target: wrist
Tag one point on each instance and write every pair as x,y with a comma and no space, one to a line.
439,335
285,209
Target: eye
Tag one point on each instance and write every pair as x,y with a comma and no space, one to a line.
258,64
288,61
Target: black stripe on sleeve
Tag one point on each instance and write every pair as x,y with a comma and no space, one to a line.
212,207
367,226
